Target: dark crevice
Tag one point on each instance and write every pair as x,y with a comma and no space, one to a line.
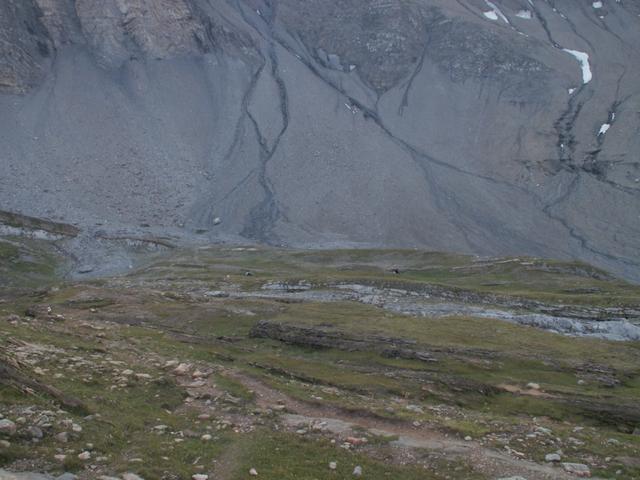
573,231
265,214
405,96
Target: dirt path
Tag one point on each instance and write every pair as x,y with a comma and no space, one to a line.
492,463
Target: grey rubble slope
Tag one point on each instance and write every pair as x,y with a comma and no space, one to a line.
313,122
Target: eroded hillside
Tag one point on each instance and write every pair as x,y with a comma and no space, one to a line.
505,127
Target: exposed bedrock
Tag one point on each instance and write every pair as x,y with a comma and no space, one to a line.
508,127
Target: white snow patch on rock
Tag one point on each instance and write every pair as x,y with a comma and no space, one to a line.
491,15
496,11
583,59
525,14
604,129
597,4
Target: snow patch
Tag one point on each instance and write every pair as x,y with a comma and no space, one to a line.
597,5
604,128
583,59
491,15
496,12
525,14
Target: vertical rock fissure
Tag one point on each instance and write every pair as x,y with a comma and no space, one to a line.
265,214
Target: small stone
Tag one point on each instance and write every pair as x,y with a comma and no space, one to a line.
131,476
182,369
35,432
333,465
7,427
60,458
552,457
206,437
62,437
67,476
356,440
414,408
577,469
4,444
468,438
253,472
200,476
357,472
84,455
533,386
76,428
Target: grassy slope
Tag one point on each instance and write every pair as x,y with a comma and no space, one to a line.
160,301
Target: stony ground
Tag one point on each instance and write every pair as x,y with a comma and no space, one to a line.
228,363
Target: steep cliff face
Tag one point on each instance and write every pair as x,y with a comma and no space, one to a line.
504,127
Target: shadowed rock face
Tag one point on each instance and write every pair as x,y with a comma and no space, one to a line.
453,125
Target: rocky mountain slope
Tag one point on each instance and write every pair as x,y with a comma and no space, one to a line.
504,127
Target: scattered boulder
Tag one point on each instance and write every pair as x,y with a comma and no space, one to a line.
577,469
253,472
67,476
182,369
6,475
84,455
333,465
7,427
357,472
35,432
552,457
131,476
